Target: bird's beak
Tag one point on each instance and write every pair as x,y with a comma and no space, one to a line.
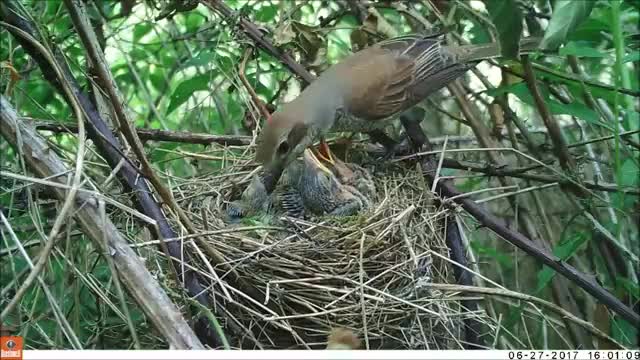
313,162
272,173
323,153
336,166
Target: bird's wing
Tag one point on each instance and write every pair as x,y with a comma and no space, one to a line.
291,202
394,75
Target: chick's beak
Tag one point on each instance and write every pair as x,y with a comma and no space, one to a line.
334,164
312,162
323,153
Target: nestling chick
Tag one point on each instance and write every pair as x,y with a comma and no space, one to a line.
342,339
349,174
254,200
318,184
322,193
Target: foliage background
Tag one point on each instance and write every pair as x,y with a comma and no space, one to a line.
181,73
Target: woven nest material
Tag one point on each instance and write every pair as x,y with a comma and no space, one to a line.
369,273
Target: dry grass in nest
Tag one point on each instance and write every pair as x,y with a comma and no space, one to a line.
366,273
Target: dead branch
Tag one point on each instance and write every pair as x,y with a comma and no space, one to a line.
154,134
252,93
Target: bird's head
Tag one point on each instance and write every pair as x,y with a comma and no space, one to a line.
342,339
347,174
337,166
316,174
282,140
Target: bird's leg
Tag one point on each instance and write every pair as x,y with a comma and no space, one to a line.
411,120
385,140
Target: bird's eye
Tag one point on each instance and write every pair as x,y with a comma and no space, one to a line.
283,148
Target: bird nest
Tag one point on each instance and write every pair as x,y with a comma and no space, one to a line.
370,273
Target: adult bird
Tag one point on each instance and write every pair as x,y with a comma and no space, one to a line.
361,92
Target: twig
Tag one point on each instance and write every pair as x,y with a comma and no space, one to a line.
243,140
568,77
108,84
557,264
77,176
59,315
532,299
243,78
559,143
116,279
608,137
418,139
500,171
523,174
463,277
140,283
255,34
155,134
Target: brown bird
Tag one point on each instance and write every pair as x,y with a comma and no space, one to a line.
362,91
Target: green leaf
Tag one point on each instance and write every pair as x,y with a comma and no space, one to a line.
478,32
514,315
624,332
157,79
634,56
581,49
589,29
266,13
504,260
564,251
193,21
629,286
567,16
138,54
186,88
141,30
629,174
205,57
507,17
576,109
